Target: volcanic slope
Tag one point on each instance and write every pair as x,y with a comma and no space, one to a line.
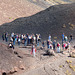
12,9
60,1
9,62
14,60
54,20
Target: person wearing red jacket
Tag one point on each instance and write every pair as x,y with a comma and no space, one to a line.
33,50
58,47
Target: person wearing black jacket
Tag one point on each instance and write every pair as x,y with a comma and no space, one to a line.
71,38
10,45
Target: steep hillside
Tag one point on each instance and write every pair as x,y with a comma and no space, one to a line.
47,3
9,62
12,9
54,20
60,1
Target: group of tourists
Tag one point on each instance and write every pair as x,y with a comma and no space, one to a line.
35,39
25,39
66,41
55,46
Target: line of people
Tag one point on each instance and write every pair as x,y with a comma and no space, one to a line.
25,39
54,45
29,39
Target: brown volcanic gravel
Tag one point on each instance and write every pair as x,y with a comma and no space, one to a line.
8,60
13,9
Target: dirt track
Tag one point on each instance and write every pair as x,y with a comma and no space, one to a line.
50,65
42,64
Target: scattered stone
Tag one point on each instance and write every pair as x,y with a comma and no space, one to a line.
68,61
15,69
15,52
20,56
60,66
64,26
72,67
21,67
72,54
52,52
67,73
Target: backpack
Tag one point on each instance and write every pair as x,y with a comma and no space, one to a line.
58,45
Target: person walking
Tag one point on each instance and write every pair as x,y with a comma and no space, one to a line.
19,41
54,45
58,47
6,37
71,38
63,36
49,38
25,41
14,40
66,39
43,44
33,50
3,36
48,42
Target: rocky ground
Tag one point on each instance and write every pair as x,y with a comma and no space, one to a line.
22,62
9,61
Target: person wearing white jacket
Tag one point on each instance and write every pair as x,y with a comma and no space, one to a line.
33,50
